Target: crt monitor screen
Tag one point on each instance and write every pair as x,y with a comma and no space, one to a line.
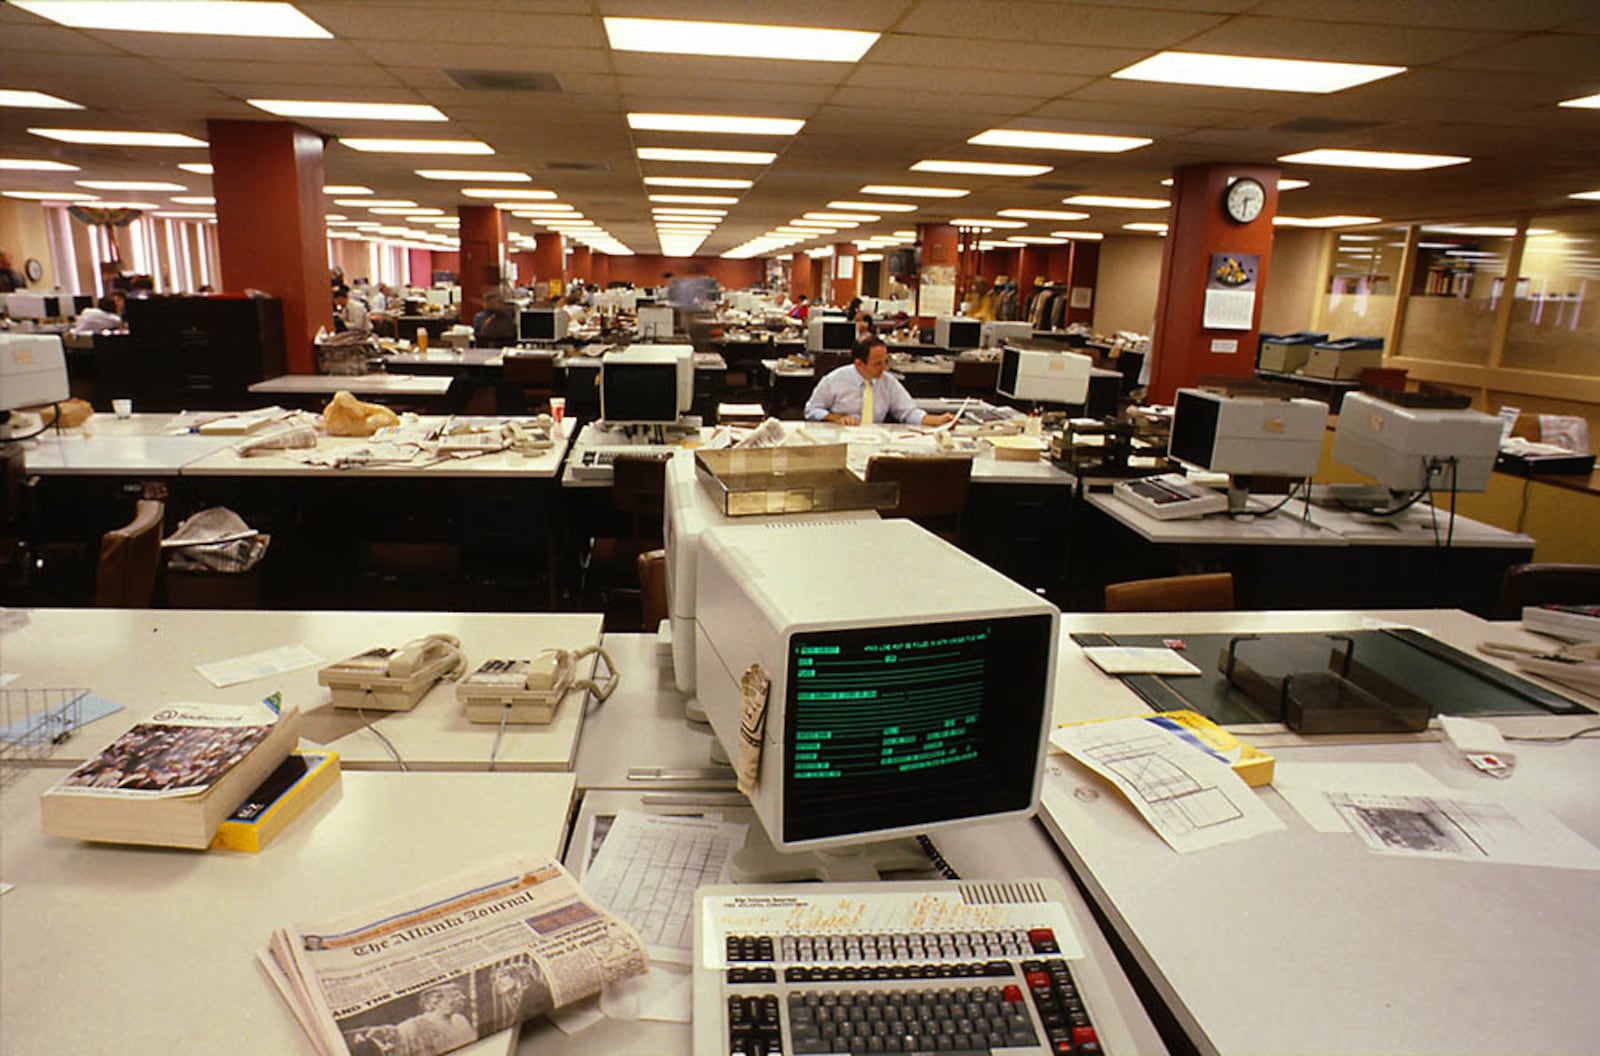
638,392
1194,429
897,726
536,325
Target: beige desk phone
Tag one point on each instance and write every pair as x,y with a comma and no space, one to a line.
529,690
394,679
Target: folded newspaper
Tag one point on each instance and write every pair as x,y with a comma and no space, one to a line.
448,964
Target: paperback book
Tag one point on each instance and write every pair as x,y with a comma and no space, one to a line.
170,781
299,781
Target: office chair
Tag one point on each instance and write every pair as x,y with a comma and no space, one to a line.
474,396
974,377
130,557
653,588
933,491
532,372
1546,583
610,568
823,363
1205,592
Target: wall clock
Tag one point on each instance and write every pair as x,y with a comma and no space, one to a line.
1244,200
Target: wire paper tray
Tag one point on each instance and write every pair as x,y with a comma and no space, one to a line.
34,721
803,479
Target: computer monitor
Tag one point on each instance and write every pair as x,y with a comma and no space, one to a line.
957,332
889,712
655,322
1044,377
541,324
1409,449
997,333
33,372
1247,435
25,305
646,386
438,298
688,511
830,333
81,303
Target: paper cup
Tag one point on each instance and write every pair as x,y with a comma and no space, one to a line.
122,408
558,407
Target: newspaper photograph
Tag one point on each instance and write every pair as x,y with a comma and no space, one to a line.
451,963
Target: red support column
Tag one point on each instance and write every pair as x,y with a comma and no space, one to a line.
1184,348
845,286
271,233
549,258
939,245
483,255
799,276
580,265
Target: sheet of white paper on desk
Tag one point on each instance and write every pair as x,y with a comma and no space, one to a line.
1192,800
1306,786
1459,827
7,679
664,994
648,868
4,887
577,1018
1139,660
258,665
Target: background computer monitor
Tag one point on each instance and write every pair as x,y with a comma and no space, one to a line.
1035,375
438,298
81,303
830,333
1408,449
890,712
541,324
1247,435
957,332
655,322
646,386
33,370
997,332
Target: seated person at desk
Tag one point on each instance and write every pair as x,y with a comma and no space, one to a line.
105,315
801,309
863,390
348,314
495,326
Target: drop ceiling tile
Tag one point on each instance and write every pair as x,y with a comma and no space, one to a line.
1541,52
898,80
1027,55
1339,42
1458,14
695,67
518,57
279,78
873,15
1058,23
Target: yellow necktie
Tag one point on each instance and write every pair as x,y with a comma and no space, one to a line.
866,403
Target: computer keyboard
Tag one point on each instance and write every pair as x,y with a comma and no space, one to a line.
941,967
1169,497
595,462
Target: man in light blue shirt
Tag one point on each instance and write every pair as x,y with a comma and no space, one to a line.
843,394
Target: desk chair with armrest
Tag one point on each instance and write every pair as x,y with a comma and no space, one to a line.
933,491
824,363
130,557
532,372
611,567
1546,583
1205,592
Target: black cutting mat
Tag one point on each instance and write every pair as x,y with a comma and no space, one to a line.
1451,681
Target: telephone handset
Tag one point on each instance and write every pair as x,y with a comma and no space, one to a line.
529,691
1576,664
394,679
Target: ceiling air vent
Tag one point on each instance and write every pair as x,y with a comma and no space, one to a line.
1325,125
505,80
576,166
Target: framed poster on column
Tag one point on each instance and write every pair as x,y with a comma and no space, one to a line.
1230,291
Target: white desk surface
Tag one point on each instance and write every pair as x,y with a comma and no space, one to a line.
359,384
1421,525
639,739
1299,942
229,463
144,950
143,658
462,359
110,446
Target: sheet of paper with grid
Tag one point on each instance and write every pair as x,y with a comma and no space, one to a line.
647,871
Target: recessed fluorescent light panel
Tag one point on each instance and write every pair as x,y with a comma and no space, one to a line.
1043,214
899,191
475,175
860,218
698,181
1373,159
1586,196
1079,236
28,100
713,157
205,17
194,199
1323,221
1113,201
1156,228
737,39
969,221
131,185
694,199
35,165
1246,71
95,137
502,193
352,111
1082,141
345,188
882,207
721,125
200,168
187,216
1587,102
979,168
50,196
418,146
